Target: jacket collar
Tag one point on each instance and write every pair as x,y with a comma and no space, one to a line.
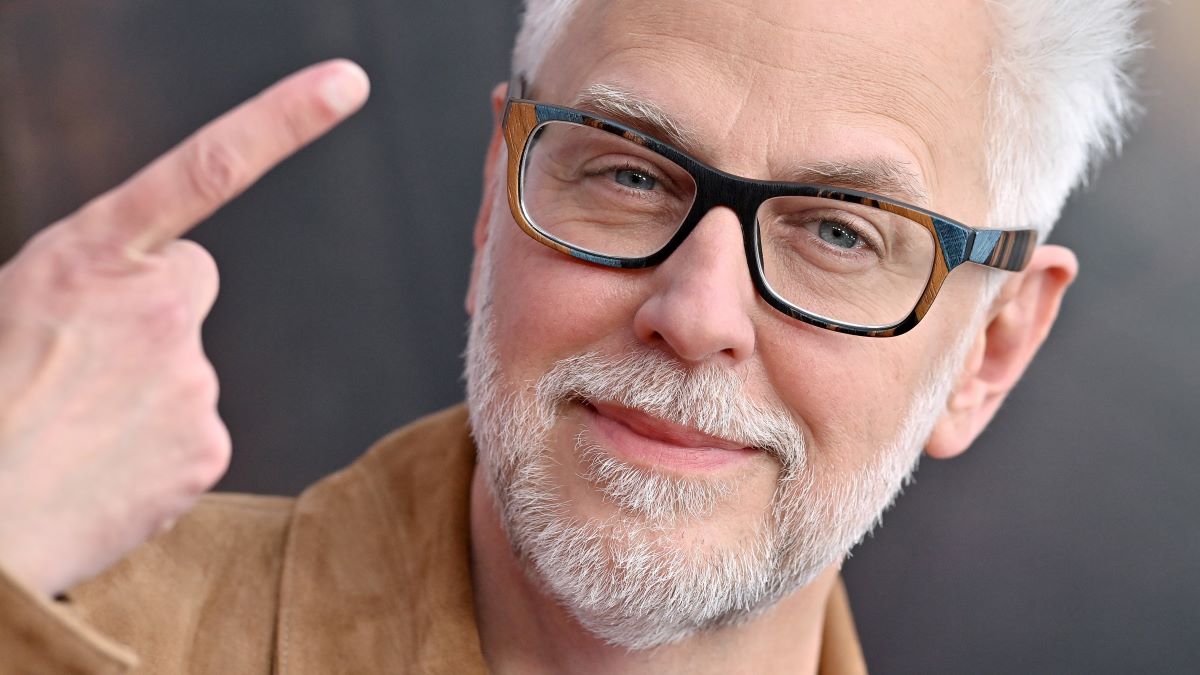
376,575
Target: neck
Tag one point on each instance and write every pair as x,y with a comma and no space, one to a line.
523,630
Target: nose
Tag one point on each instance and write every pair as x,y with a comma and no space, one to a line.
702,299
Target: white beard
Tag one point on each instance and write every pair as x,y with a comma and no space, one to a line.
631,580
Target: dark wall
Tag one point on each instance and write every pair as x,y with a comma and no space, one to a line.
1064,541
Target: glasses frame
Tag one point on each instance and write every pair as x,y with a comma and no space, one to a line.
955,243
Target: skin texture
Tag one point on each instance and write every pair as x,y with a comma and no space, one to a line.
763,86
108,421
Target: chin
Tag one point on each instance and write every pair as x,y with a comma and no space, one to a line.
643,558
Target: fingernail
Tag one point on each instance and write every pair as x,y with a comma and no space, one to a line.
345,90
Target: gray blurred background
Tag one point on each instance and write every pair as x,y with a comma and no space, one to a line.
1065,541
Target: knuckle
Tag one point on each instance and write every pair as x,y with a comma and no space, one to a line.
201,266
296,126
201,388
215,170
204,260
166,317
212,452
55,272
63,268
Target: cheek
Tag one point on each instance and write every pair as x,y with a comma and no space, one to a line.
548,306
852,394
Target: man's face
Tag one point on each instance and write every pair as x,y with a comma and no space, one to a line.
761,88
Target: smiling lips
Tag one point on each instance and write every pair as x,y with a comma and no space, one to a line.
658,444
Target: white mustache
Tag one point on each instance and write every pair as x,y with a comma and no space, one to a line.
707,398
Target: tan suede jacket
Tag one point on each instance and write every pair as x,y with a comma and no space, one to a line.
366,572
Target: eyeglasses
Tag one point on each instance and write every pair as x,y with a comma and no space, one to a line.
843,260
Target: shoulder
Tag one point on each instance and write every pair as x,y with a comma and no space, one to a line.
236,533
239,535
432,453
208,586
445,429
226,522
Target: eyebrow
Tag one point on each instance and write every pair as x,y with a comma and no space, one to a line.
879,175
627,108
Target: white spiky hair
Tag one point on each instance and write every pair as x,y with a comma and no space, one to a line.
1060,95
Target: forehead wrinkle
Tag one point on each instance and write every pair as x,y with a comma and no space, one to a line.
919,115
905,94
922,118
881,88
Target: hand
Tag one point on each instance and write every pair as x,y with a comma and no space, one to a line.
108,421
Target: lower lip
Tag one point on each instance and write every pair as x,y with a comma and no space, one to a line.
652,453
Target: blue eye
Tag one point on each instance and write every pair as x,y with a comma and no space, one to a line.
635,180
836,234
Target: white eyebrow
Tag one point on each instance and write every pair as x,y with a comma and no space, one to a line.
879,175
628,108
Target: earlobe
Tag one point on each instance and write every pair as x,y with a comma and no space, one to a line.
1018,322
491,174
955,429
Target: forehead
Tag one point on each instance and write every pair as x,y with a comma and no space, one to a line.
770,83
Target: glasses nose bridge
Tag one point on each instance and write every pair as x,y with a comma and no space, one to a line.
715,190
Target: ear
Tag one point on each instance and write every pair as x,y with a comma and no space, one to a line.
1018,322
487,200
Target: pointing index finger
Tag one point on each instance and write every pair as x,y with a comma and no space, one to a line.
187,184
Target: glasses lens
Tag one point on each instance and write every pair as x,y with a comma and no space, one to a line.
845,262
601,192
